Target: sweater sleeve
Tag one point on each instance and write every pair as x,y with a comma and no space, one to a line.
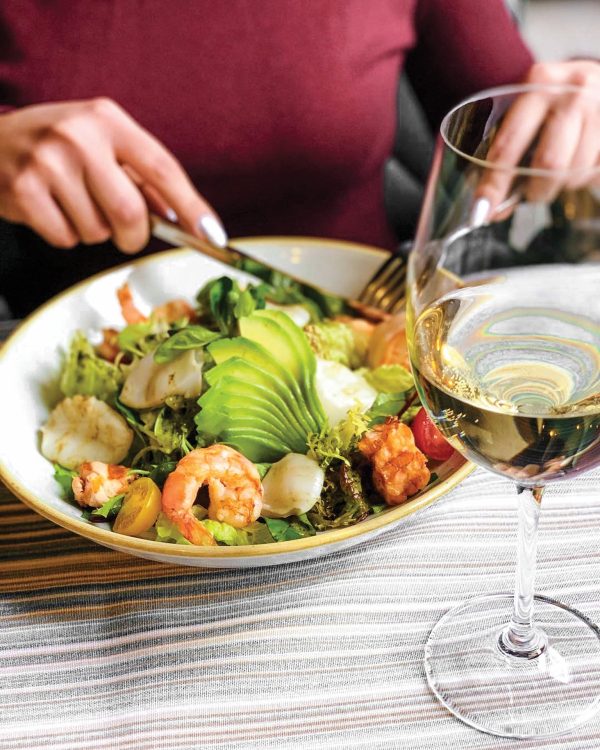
463,46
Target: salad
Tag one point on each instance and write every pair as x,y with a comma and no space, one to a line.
262,413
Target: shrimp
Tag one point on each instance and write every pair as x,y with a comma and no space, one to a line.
128,309
234,489
399,467
97,482
83,428
169,311
109,347
387,345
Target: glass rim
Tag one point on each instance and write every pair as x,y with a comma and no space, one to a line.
516,88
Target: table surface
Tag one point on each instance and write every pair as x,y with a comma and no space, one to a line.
102,650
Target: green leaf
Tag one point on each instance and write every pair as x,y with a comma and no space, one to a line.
65,477
245,305
166,531
159,472
190,337
385,405
110,508
224,533
86,374
338,442
335,342
409,414
286,529
390,379
132,338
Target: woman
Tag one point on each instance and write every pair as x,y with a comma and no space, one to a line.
278,113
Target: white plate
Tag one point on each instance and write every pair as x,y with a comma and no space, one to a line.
30,362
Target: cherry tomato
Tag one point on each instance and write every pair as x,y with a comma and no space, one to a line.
429,439
140,509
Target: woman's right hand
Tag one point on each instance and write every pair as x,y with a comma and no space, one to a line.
82,171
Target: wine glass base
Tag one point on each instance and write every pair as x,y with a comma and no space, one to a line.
513,696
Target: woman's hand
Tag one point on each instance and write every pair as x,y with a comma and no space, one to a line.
82,172
567,128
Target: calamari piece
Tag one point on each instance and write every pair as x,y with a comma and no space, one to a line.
83,428
149,383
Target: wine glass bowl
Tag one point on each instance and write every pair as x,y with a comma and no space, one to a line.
504,338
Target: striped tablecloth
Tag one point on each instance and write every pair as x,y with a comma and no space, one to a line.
100,650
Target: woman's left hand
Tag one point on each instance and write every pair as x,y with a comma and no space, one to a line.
565,124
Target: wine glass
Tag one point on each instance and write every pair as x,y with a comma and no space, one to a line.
504,338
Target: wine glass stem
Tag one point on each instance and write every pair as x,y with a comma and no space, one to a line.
520,638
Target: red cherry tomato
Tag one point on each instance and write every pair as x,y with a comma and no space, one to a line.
429,439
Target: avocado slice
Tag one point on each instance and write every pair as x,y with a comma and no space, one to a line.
214,419
234,393
256,445
275,331
257,356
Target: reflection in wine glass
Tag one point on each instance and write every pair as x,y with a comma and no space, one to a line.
504,338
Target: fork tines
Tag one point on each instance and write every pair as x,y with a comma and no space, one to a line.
386,290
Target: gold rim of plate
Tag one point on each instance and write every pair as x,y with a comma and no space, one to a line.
111,538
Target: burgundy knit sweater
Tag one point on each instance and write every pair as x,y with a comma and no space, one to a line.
282,111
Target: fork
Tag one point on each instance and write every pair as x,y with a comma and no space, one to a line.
386,290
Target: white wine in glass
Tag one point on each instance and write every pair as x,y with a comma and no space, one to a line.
504,337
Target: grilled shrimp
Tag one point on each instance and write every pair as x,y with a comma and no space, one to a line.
81,429
98,482
387,345
234,490
169,311
399,467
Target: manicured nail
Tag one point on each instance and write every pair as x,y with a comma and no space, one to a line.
213,230
171,216
480,213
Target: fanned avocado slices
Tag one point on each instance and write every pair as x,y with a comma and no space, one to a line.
262,398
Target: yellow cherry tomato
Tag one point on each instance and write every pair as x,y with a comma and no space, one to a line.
140,509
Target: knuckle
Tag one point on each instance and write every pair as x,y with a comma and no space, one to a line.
541,73
162,168
103,107
23,187
44,156
69,128
129,213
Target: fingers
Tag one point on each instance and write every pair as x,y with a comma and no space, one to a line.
120,201
555,151
518,129
34,206
163,177
67,186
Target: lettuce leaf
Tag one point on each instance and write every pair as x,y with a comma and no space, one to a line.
339,442
110,508
390,379
286,529
190,337
166,531
333,341
87,374
224,533
65,477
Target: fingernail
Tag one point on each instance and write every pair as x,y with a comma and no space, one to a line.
213,230
171,216
480,213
